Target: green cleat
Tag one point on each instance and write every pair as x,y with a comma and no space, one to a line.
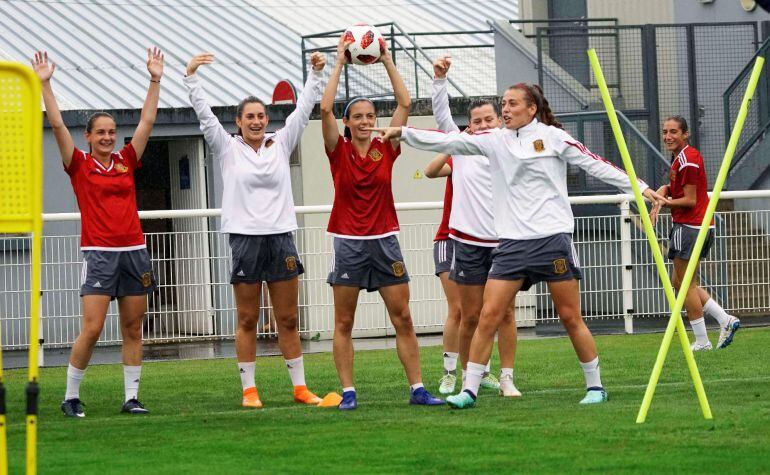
461,400
489,381
595,396
447,384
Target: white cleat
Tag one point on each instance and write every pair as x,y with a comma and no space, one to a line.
728,332
700,346
507,388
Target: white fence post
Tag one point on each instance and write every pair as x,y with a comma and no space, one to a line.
627,269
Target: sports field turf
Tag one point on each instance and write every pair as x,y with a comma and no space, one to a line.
197,425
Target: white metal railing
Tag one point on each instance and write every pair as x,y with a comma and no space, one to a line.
195,301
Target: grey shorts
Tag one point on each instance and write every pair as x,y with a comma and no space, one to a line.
442,255
117,273
268,258
367,263
471,264
535,260
681,242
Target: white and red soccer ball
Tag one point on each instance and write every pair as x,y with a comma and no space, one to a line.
367,46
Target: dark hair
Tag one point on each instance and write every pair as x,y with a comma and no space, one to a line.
679,120
93,117
533,94
347,133
242,104
476,103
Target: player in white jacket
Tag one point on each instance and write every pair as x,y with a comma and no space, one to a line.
258,214
533,219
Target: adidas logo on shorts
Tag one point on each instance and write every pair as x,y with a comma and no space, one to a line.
461,274
344,276
241,273
97,285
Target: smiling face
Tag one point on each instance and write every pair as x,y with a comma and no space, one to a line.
101,135
361,115
517,112
674,137
252,121
483,117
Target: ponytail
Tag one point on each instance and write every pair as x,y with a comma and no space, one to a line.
533,94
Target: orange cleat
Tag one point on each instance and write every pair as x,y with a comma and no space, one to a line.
251,398
303,395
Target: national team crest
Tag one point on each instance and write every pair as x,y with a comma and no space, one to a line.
398,269
560,266
121,168
672,175
375,155
538,144
146,279
291,263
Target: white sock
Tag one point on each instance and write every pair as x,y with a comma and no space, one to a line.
450,361
506,371
462,379
348,389
488,368
699,330
473,377
591,373
296,369
74,377
715,310
416,386
131,377
246,369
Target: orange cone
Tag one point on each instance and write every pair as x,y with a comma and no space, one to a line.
330,400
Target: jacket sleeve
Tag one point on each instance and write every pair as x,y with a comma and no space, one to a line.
440,103
575,153
291,132
455,143
216,135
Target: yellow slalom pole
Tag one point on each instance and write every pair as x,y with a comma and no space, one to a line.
674,323
3,439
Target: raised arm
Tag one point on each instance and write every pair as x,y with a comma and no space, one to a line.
403,101
438,167
454,143
44,71
440,97
150,107
331,132
213,132
291,132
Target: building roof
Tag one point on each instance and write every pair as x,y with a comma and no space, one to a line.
99,46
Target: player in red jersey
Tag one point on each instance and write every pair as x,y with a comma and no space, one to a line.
364,225
688,200
116,264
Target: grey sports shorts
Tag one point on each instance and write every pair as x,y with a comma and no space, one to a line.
268,258
117,273
681,242
442,255
535,260
471,264
367,263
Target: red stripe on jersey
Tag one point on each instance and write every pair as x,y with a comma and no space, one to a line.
585,151
467,237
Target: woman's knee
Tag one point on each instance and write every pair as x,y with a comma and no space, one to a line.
247,319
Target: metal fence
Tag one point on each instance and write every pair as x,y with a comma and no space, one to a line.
195,302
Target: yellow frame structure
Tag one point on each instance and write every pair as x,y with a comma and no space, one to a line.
21,207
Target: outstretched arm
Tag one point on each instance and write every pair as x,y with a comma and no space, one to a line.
331,132
440,97
290,134
455,143
216,135
150,107
403,101
438,167
44,71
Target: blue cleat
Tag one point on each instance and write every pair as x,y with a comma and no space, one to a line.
348,402
462,400
595,395
728,332
422,397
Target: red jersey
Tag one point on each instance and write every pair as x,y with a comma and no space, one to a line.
363,196
443,228
107,200
687,169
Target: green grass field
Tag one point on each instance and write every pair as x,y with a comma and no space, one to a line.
197,424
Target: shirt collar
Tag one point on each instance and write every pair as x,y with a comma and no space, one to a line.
527,128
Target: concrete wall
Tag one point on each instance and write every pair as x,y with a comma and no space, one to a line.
693,11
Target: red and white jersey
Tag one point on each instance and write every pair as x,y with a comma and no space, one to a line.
363,196
443,228
687,169
107,201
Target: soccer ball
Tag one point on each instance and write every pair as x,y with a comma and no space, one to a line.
368,44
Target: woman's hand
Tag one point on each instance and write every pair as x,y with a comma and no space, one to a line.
42,67
342,45
441,67
155,63
657,201
387,133
197,60
318,61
